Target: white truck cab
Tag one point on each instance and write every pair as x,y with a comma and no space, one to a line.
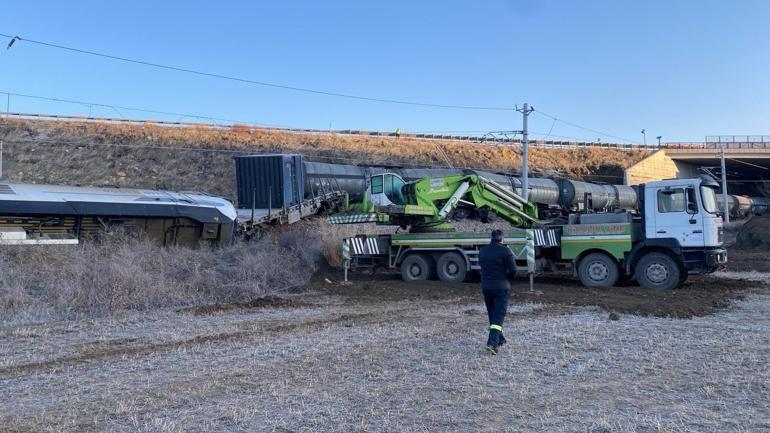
680,234
685,210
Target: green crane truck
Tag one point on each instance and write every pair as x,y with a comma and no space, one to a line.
675,231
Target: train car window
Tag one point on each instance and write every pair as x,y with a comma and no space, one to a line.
671,200
376,184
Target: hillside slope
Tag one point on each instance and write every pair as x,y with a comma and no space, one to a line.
200,158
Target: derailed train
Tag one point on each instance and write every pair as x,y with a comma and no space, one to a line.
265,180
281,179
46,212
552,196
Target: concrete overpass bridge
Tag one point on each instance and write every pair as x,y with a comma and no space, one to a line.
747,161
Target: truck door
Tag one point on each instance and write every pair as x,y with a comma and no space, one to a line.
677,215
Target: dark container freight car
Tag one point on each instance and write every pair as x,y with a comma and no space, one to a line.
269,180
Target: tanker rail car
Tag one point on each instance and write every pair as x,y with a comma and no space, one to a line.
741,206
554,197
52,212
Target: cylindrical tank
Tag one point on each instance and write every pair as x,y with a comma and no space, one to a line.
353,179
409,174
760,205
573,192
320,176
737,206
543,191
744,205
625,197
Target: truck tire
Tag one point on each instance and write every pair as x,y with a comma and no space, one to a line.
451,268
598,270
416,267
658,271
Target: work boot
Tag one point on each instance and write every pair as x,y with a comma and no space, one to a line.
492,350
494,339
501,341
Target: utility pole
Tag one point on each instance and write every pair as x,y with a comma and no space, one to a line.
644,136
524,151
659,137
530,246
1,159
725,205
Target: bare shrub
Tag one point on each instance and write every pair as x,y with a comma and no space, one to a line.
96,279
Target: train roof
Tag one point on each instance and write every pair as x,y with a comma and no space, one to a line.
26,198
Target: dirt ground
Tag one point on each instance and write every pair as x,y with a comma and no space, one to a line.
699,296
380,355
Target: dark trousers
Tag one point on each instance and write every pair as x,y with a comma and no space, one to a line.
497,304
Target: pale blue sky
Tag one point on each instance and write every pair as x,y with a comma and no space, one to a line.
681,69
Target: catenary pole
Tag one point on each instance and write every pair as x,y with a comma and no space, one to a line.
525,152
725,204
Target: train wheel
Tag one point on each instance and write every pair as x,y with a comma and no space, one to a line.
461,213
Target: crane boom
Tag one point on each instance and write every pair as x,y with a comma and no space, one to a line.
428,203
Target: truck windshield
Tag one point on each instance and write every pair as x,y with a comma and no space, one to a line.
709,197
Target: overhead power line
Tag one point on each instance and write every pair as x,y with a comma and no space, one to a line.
116,107
250,81
556,119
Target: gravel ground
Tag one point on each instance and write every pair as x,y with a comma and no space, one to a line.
337,363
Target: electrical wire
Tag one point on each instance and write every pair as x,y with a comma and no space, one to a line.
583,127
114,107
250,81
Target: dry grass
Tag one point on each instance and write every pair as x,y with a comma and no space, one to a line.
96,279
415,365
57,152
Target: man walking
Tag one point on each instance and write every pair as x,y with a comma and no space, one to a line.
498,269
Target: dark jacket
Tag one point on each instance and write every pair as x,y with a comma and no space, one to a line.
498,267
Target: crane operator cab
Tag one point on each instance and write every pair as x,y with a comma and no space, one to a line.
385,189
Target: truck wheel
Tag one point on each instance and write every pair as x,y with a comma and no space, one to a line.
657,271
416,267
451,268
598,270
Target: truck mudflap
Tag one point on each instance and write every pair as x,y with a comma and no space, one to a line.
363,245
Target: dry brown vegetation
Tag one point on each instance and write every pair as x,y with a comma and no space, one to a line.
200,158
120,273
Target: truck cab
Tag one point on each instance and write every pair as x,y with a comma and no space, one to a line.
680,224
685,210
